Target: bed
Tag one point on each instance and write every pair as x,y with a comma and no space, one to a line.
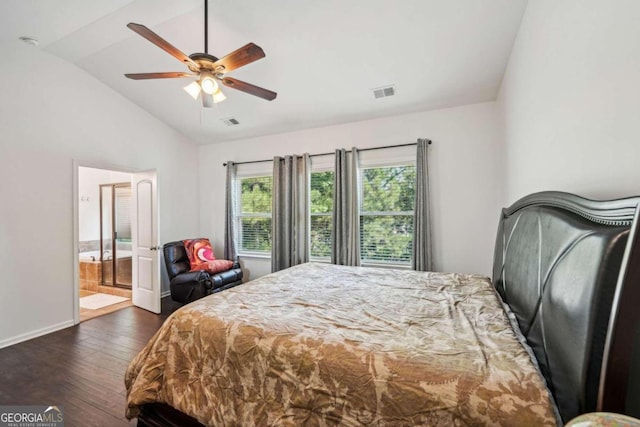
551,336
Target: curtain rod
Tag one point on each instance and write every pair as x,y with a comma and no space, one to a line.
328,154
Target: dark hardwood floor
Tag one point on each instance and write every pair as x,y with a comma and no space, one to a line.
80,368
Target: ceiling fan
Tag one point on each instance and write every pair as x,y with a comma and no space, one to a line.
208,69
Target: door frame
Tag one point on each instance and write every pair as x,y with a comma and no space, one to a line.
76,221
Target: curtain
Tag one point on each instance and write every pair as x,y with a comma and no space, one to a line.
422,251
353,248
290,211
345,232
230,251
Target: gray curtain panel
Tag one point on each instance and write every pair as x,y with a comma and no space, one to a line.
345,232
339,230
422,249
353,247
230,251
290,211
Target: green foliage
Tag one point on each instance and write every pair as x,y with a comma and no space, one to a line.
255,234
385,234
321,203
321,236
256,195
255,214
386,238
322,192
388,189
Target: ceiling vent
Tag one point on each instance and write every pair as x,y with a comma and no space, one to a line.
230,121
31,41
383,92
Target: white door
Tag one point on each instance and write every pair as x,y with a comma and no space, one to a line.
144,229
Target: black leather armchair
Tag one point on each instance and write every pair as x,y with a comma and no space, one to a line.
187,286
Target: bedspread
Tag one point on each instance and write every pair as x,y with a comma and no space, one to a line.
325,345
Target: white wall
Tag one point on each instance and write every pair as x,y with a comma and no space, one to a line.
89,180
570,99
51,112
465,165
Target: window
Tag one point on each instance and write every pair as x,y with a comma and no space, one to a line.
254,214
321,214
386,214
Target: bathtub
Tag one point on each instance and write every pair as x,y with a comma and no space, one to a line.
95,255
94,274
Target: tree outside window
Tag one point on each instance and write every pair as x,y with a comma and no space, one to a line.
321,215
254,214
386,214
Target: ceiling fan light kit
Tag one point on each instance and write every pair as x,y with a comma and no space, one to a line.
193,89
208,69
208,84
218,96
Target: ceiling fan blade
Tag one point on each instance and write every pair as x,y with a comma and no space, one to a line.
168,75
161,43
238,58
249,88
207,100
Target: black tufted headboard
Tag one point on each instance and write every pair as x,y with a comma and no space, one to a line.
564,265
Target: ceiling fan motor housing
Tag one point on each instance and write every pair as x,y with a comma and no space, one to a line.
205,63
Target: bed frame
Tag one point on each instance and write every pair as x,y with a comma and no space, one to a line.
569,269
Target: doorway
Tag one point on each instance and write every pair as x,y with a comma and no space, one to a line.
143,289
104,241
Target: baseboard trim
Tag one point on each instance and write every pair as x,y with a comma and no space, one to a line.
35,334
165,294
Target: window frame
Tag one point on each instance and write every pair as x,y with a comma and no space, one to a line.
379,164
321,169
239,215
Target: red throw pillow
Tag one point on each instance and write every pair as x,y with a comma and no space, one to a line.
199,252
218,266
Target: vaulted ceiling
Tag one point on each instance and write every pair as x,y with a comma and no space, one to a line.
323,57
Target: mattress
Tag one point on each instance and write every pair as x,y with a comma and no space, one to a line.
328,345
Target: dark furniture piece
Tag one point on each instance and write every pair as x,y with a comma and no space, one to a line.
187,286
569,269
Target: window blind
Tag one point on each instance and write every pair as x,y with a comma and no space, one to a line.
386,214
321,214
254,214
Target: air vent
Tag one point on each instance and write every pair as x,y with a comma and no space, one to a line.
30,40
383,92
230,121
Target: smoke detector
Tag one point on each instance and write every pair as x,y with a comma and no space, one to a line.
383,92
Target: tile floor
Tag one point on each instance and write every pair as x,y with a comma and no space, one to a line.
86,314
